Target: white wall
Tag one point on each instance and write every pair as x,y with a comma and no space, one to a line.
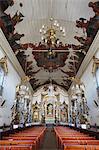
15,73
11,80
91,94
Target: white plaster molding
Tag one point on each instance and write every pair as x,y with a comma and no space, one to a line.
10,54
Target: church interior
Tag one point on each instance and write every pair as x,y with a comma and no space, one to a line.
49,75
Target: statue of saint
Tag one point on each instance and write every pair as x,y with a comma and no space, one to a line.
50,109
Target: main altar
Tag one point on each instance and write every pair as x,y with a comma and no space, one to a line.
51,107
50,111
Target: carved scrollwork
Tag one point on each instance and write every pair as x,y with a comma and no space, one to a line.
95,64
3,64
75,80
25,79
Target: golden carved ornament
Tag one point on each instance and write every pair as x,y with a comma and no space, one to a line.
75,80
26,79
3,64
95,64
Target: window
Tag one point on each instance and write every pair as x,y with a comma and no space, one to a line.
97,77
1,80
97,80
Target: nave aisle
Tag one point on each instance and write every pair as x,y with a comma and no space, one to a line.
49,142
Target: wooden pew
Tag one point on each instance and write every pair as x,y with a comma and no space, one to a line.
69,139
81,147
15,147
30,138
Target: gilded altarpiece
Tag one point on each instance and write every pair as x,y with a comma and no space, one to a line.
78,106
22,107
64,112
49,107
36,112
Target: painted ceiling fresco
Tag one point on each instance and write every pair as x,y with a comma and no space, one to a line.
21,20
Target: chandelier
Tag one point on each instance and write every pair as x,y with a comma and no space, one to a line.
49,36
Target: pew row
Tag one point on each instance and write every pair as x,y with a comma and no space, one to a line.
69,139
29,139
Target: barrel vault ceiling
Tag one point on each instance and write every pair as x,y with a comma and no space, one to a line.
35,13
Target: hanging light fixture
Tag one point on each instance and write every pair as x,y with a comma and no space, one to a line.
51,54
49,35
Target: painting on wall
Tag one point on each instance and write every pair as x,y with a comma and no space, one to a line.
50,110
36,116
